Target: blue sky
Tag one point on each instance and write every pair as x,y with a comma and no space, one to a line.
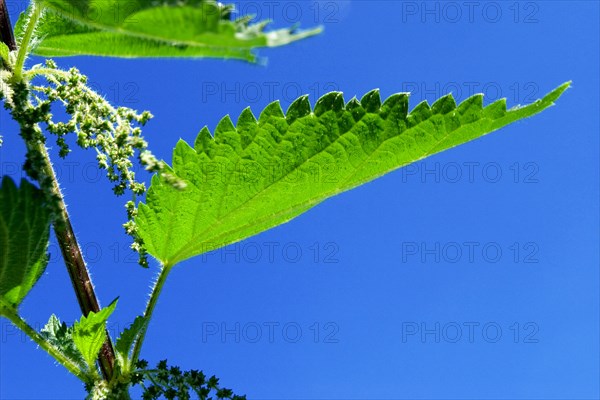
472,274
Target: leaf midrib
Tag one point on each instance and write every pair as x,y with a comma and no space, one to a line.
124,32
219,221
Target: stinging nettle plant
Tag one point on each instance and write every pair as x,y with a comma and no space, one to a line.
266,165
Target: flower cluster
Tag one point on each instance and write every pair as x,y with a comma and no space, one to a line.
28,115
114,132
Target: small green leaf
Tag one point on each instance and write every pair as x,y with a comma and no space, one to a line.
24,232
61,336
127,339
146,28
264,173
89,333
4,52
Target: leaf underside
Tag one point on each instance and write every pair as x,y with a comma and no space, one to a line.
128,338
89,333
61,336
24,232
259,174
147,28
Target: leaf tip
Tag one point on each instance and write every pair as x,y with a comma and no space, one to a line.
371,101
203,141
396,105
246,119
557,93
298,109
225,125
446,103
332,101
272,110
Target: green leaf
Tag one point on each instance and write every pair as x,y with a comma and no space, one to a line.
24,231
61,336
260,174
4,52
147,28
127,339
89,333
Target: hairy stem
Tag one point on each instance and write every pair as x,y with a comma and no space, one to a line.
78,272
36,12
158,286
63,229
6,32
20,323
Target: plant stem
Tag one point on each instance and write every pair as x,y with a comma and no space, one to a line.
6,32
63,229
20,323
78,272
158,286
34,15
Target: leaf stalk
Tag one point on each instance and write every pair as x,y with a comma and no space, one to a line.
34,16
154,295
